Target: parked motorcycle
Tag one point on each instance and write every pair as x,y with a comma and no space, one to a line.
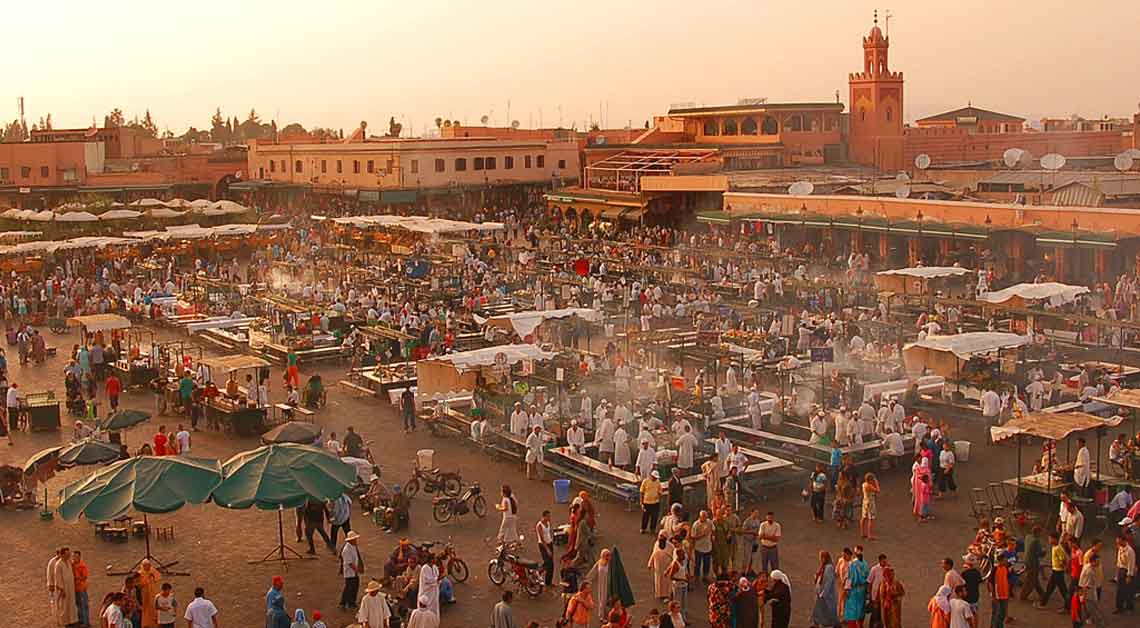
445,507
450,564
525,573
434,481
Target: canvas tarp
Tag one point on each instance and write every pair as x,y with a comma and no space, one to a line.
915,280
231,363
458,371
1051,426
524,323
940,354
99,322
1023,293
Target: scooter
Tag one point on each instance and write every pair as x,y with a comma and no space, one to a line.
445,507
526,573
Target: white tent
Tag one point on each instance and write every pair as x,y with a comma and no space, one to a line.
201,202
476,358
44,216
148,202
13,213
1055,293
77,217
928,272
163,212
72,206
178,203
941,354
229,207
120,214
524,323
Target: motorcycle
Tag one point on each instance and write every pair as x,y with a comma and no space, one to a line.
432,481
450,564
525,573
445,507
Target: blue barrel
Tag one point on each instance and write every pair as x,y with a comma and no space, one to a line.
561,491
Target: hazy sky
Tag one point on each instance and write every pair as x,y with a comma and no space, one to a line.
336,62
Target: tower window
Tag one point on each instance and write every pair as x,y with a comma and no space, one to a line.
770,126
888,114
748,127
862,115
730,127
711,128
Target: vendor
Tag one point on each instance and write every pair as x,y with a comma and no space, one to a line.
404,554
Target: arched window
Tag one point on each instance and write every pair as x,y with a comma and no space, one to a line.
770,126
730,127
748,127
862,115
711,128
794,123
888,114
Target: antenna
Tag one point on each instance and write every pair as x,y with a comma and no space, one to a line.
801,188
887,15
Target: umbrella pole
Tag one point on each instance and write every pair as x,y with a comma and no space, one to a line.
282,553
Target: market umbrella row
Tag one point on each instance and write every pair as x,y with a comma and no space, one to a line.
272,477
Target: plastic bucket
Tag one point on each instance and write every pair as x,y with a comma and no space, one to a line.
561,491
424,458
962,450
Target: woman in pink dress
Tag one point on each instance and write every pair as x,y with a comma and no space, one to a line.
920,490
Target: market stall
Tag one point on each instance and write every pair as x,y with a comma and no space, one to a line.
925,280
136,364
525,324
974,357
463,371
1024,294
93,327
236,413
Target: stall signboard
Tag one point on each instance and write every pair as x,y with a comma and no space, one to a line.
501,363
560,374
822,354
527,367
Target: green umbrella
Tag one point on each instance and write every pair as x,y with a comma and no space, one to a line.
88,451
293,432
40,458
123,419
282,475
148,484
619,582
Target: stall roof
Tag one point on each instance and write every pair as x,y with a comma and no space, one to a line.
421,224
1055,293
468,360
929,272
524,323
100,322
968,344
1124,398
231,363
1051,426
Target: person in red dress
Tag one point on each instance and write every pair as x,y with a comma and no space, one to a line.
160,441
114,389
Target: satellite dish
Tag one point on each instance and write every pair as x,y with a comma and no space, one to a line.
1122,162
902,177
902,191
1133,153
514,124
922,162
1053,161
1026,159
484,119
801,188
1012,156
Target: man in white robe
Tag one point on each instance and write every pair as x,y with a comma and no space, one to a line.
730,381
686,443
646,460
604,438
534,453
723,448
66,612
621,447
423,617
374,611
429,587
587,410
576,436
519,420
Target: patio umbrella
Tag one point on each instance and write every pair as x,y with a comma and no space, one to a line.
41,458
87,451
163,212
619,582
148,202
148,484
45,216
123,419
282,476
292,432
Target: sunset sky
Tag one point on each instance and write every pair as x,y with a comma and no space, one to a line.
337,62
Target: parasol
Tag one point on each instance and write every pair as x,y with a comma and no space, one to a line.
282,476
87,451
41,458
123,419
293,432
77,217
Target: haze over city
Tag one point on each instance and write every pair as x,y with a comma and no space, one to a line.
338,62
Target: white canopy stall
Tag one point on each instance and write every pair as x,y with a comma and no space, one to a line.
456,372
944,355
525,323
918,280
1024,294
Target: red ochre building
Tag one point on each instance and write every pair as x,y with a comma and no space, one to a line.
119,164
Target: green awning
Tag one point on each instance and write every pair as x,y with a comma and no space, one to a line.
1080,240
398,196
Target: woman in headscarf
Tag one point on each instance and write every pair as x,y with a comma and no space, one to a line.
599,579
826,609
659,560
920,493
855,604
719,606
148,584
939,608
780,595
299,619
890,599
746,605
275,617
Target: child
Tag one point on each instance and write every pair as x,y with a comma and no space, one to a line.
317,622
1077,611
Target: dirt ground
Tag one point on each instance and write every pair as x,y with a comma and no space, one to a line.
215,544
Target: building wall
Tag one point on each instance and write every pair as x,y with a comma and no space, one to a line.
958,144
66,163
1047,218
409,164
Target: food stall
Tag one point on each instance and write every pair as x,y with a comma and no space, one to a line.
93,326
526,324
926,280
42,410
136,365
487,372
236,413
975,357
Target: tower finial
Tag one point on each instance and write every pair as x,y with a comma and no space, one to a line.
876,17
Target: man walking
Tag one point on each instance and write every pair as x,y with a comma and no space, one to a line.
80,572
114,389
1125,576
408,406
339,514
201,613
351,565
1058,559
315,522
545,538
